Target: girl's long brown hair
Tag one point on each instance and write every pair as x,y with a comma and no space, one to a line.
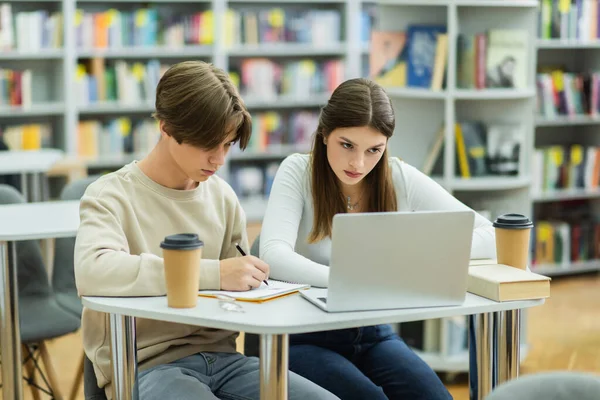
355,103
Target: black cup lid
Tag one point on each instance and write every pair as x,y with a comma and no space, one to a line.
181,241
513,221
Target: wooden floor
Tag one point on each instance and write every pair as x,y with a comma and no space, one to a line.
564,334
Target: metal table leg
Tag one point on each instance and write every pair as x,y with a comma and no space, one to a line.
9,318
124,357
25,186
36,187
274,367
508,330
484,360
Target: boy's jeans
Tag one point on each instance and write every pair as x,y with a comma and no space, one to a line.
209,376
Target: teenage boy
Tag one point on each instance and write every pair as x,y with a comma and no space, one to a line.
126,214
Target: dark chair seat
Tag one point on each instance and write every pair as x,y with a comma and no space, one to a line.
42,318
70,301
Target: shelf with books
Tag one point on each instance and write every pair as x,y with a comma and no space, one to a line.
567,269
148,52
489,168
106,142
497,3
566,194
286,101
115,107
416,93
302,27
567,120
41,54
487,183
562,44
278,2
493,94
33,110
168,25
110,161
466,3
569,21
144,1
286,50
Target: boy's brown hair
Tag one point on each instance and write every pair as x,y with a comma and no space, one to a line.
200,106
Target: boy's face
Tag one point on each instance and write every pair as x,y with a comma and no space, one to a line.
196,163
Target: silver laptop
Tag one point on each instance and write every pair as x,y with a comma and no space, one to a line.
397,260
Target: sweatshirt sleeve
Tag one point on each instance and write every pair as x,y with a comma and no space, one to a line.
280,228
423,193
104,265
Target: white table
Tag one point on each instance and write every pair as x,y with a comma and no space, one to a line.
32,162
276,319
26,221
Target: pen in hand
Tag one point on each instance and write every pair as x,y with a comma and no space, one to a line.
237,246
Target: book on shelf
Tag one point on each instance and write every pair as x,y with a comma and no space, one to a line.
565,233
422,46
30,31
415,58
570,20
268,80
563,93
121,81
501,282
387,58
15,87
27,136
142,27
565,167
274,131
497,58
482,149
282,25
560,243
116,137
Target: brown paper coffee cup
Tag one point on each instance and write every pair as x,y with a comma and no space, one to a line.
182,254
513,232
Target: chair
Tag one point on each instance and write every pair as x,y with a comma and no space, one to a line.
40,316
559,385
63,276
251,340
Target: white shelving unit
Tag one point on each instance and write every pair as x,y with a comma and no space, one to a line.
578,56
59,66
421,112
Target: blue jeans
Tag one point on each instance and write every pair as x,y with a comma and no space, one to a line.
364,363
211,376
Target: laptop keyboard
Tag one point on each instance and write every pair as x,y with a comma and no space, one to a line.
323,299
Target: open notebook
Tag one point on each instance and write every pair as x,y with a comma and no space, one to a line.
263,293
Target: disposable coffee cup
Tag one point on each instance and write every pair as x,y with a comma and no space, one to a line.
182,254
513,232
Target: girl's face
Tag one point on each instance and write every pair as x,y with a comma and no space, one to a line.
354,152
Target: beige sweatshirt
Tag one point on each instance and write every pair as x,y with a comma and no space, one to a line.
124,217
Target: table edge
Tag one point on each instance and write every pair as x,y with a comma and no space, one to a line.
292,329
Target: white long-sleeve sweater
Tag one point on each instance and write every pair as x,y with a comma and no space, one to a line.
289,218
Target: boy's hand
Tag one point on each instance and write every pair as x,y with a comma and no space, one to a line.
243,273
